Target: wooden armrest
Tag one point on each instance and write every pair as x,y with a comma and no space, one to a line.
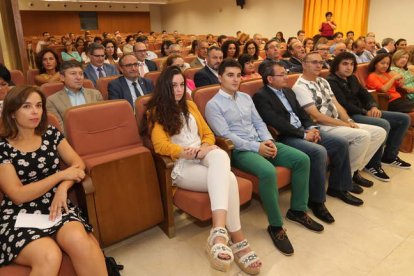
163,161
224,143
382,99
273,132
87,185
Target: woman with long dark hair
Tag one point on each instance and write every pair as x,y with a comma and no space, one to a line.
230,49
178,130
47,61
111,49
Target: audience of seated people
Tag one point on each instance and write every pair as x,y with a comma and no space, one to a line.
34,184
131,84
209,73
48,63
97,68
73,93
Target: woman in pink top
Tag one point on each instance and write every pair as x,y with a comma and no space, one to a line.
381,80
247,63
327,27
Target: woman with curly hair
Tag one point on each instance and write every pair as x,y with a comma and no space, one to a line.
230,49
111,56
178,130
252,49
47,61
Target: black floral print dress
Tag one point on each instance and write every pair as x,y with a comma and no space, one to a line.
31,167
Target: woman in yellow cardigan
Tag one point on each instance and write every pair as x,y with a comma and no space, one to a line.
178,130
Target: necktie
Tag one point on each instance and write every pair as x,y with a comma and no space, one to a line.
134,84
141,69
100,74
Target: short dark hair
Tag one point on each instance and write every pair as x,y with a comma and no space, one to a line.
216,48
377,59
97,38
266,69
228,62
141,38
45,33
14,99
337,34
349,32
328,13
128,38
39,60
69,64
243,59
397,43
94,46
121,59
266,47
355,43
300,32
339,58
220,38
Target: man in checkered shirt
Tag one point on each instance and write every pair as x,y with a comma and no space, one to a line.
315,95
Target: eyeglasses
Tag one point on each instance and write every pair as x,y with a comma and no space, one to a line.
280,75
130,65
323,49
315,62
140,51
99,56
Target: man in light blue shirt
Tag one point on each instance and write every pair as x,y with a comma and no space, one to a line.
232,114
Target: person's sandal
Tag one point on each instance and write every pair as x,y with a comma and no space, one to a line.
214,250
246,260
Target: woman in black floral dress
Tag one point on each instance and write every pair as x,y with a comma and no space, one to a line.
32,183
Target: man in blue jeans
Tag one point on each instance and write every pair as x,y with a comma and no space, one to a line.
360,105
278,107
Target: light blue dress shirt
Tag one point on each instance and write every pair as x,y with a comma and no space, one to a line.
76,98
294,119
236,118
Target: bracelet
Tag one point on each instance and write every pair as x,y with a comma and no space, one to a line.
195,157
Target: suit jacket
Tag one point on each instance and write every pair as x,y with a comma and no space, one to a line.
90,73
59,102
152,66
297,64
118,89
205,77
275,114
290,67
196,63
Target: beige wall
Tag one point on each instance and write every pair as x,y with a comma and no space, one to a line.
224,17
392,19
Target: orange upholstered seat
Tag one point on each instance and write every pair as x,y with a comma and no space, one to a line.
17,77
51,88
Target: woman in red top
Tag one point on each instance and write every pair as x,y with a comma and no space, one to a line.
328,27
381,80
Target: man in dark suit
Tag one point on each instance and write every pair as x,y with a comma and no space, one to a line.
273,54
144,65
130,86
97,69
278,107
209,75
297,53
388,46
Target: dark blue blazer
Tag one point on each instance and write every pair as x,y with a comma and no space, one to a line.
205,77
90,73
152,66
118,89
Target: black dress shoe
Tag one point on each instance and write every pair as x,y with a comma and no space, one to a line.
321,212
345,197
305,220
358,179
356,189
280,240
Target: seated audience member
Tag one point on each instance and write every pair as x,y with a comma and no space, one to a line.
399,66
232,114
350,35
129,45
252,49
145,65
111,49
358,49
210,40
97,39
33,183
44,42
337,37
5,82
47,61
258,38
279,37
316,97
327,27
73,94
178,130
130,85
370,48
388,46
221,39
97,68
301,36
291,40
297,53
242,39
201,52
340,47
144,39
278,107
84,54
323,50
79,44
230,49
174,49
177,60
381,80
164,47
362,108
348,43
272,54
193,47
69,54
308,44
209,75
247,64
401,44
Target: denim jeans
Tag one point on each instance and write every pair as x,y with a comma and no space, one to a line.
336,148
396,124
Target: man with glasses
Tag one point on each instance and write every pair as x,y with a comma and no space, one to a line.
278,107
130,85
273,54
323,50
145,65
97,69
316,97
